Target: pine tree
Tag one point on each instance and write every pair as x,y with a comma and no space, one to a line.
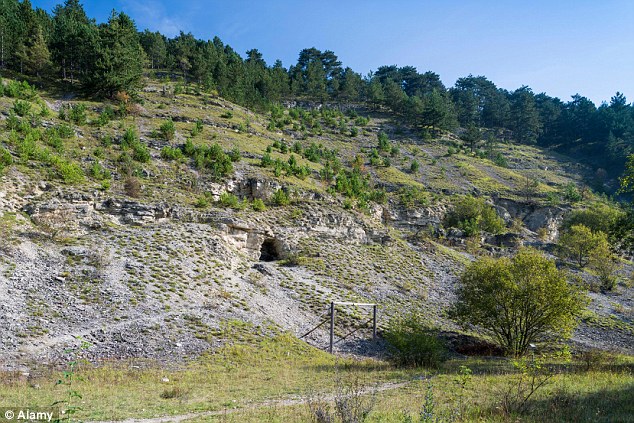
37,57
526,124
8,30
119,64
73,40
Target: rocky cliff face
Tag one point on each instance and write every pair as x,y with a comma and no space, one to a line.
159,280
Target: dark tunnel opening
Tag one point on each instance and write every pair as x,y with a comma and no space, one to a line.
268,251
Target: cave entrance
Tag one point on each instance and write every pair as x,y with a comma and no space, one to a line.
268,250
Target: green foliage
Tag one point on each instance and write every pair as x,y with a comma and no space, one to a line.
598,217
106,141
258,205
69,406
518,301
229,200
352,183
414,167
119,58
129,138
578,241
471,137
627,179
77,114
291,167
384,142
167,130
266,160
171,153
361,121
473,215
21,108
5,159
98,172
415,343
140,151
412,197
622,234
202,202
211,158
23,90
71,173
227,115
605,264
234,154
500,160
198,128
12,122
281,198
106,115
65,131
571,193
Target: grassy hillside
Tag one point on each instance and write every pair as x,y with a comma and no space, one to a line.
187,238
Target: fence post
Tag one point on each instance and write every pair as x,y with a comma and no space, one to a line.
374,322
332,325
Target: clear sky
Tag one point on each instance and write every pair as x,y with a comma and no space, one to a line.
560,47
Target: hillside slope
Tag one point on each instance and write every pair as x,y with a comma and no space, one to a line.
174,265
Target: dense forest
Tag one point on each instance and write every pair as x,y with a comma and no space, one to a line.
106,58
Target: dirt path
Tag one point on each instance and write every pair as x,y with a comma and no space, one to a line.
287,402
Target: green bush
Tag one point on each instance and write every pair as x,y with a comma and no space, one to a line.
226,115
106,115
518,301
65,131
198,128
230,200
140,152
99,172
26,146
384,142
167,130
171,153
281,198
129,138
234,154
13,122
21,108
571,193
258,205
578,242
202,202
211,158
413,343
51,137
5,158
22,90
599,217
106,141
71,173
473,215
77,114
412,197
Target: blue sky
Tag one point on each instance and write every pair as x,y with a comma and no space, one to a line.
560,47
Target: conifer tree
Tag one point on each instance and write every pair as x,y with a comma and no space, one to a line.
119,64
